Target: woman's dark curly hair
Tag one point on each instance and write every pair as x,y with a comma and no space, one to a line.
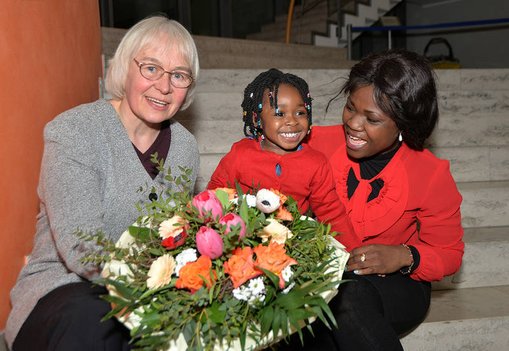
253,96
403,87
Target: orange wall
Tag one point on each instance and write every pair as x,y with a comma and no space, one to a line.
49,61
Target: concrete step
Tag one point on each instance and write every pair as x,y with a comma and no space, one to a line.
215,52
487,128
464,319
485,260
464,120
241,53
476,163
472,79
485,204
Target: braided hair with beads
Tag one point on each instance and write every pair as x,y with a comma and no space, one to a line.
253,97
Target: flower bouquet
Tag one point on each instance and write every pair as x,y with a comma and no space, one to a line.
220,270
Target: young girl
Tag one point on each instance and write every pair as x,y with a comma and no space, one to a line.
277,118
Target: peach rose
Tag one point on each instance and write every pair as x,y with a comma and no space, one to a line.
275,231
240,266
273,258
195,274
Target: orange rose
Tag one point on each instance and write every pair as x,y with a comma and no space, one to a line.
240,266
273,258
194,274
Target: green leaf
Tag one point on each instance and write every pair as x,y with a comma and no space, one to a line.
141,233
223,197
266,317
243,212
215,313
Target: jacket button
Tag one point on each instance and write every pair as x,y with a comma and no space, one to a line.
152,196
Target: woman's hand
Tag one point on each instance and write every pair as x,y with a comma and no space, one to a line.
378,259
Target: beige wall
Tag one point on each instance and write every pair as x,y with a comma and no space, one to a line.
49,61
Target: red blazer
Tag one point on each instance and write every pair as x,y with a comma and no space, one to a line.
305,175
419,203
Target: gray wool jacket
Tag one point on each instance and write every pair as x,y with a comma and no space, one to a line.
90,179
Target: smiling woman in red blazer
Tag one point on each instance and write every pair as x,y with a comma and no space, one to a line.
401,199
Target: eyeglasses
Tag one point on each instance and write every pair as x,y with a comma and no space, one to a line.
152,71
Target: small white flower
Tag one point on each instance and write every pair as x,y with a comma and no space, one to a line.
256,299
241,293
250,200
267,201
252,292
287,273
160,271
186,256
256,286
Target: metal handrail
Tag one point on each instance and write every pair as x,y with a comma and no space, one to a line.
306,6
289,21
390,29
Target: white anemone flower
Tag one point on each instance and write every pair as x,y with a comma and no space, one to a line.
267,201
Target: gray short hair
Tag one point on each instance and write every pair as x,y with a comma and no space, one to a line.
139,36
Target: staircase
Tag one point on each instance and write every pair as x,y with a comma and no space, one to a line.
317,26
470,310
215,52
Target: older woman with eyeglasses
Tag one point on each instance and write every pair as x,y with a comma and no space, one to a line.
96,158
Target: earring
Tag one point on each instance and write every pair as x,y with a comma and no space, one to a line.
400,137
309,129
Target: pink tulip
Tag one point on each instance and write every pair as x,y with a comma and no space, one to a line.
209,243
208,205
230,220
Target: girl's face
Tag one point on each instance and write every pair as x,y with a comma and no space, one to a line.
153,102
284,128
369,131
